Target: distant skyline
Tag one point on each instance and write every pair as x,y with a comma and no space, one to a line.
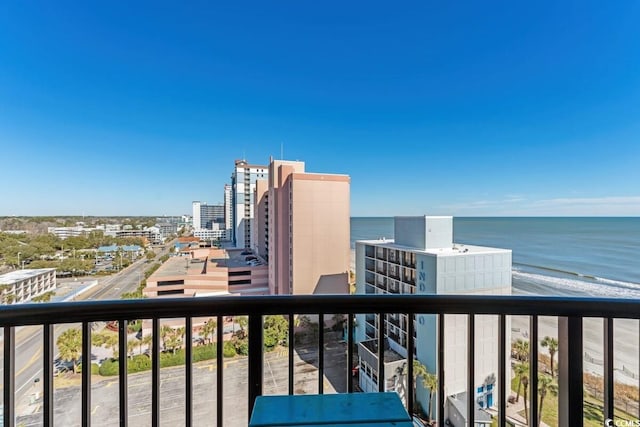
464,109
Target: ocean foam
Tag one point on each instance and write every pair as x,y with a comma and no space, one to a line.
604,287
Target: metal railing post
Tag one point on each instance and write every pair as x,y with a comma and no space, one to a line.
255,359
570,392
9,386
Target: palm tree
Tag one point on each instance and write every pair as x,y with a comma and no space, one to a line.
520,350
428,379
181,331
131,345
552,345
70,346
545,385
209,329
419,373
431,382
165,332
525,383
521,369
111,341
242,321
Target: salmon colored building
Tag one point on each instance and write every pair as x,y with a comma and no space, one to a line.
205,272
305,222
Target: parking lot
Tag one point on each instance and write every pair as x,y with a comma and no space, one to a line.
104,399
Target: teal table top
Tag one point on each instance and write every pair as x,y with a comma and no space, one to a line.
355,409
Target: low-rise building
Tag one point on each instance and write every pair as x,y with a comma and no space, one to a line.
22,285
215,234
152,234
66,232
209,271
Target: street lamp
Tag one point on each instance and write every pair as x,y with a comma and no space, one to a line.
19,253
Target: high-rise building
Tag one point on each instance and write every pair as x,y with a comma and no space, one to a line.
195,216
205,216
303,229
243,183
422,259
228,207
210,215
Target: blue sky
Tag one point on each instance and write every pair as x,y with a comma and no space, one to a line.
458,108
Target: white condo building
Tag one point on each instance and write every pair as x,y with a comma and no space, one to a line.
228,207
22,285
243,183
423,259
195,215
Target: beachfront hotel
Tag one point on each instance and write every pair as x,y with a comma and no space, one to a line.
424,260
302,229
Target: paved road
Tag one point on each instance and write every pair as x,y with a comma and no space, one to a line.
29,338
104,399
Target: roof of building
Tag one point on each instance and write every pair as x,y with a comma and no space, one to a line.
174,266
17,275
456,249
389,354
459,401
114,248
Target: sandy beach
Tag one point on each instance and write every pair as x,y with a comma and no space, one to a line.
625,343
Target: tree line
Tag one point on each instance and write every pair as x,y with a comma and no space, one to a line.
42,248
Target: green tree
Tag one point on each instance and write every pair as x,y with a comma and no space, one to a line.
521,370
4,293
520,350
525,384
112,343
165,332
430,381
151,255
276,328
209,329
551,344
174,340
242,322
70,346
131,344
46,297
546,384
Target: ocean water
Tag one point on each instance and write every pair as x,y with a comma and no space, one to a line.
551,256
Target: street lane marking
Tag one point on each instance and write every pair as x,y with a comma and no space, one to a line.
95,409
31,361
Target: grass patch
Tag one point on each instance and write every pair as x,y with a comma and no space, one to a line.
593,409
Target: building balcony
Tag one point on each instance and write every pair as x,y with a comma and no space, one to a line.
197,395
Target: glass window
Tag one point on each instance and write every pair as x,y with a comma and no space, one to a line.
480,389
